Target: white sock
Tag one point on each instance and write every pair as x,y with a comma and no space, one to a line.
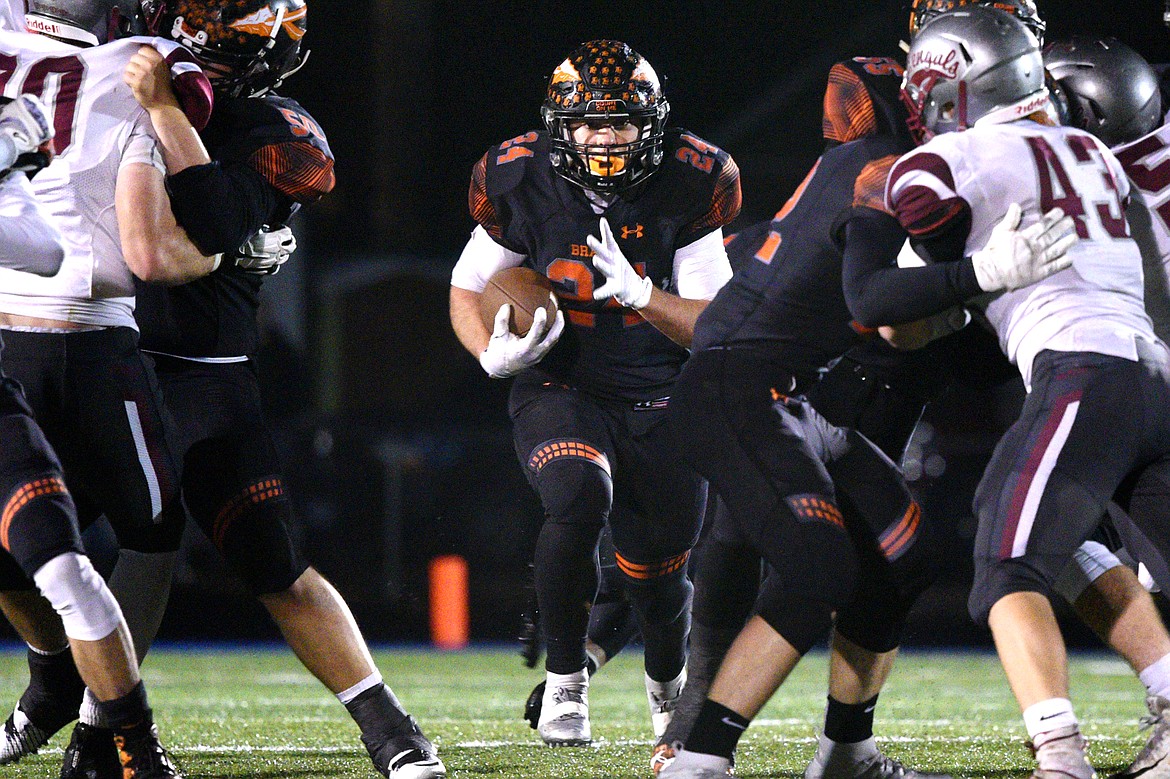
558,680
1048,715
91,713
373,680
1156,677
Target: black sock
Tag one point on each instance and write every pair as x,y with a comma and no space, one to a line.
376,711
717,730
128,711
849,723
54,688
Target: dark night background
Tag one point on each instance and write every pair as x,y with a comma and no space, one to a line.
397,446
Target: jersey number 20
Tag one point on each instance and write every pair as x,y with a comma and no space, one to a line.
56,81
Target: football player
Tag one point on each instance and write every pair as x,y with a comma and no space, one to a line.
71,339
625,216
39,529
826,510
269,157
1113,93
1078,337
881,392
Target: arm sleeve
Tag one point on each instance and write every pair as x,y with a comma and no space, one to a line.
482,257
880,293
29,242
701,268
221,207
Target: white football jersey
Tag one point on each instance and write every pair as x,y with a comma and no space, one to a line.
29,241
12,15
1147,163
1096,305
99,129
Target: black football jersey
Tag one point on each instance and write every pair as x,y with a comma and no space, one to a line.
215,316
523,203
786,297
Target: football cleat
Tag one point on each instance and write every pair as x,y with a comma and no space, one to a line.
91,754
406,754
24,737
143,755
1152,762
663,697
1060,754
695,765
564,714
862,760
533,705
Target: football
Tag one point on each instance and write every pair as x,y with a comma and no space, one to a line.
525,289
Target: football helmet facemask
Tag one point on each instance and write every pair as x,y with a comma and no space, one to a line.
605,83
83,22
249,46
1111,91
922,11
974,65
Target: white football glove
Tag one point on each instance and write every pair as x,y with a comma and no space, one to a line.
507,353
25,121
1016,258
623,283
267,250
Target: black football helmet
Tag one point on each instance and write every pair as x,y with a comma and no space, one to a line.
83,22
922,11
1111,91
257,43
608,82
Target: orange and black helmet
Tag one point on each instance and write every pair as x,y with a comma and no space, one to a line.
256,42
605,83
922,11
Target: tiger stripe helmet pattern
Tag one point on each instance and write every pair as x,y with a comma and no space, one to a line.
248,46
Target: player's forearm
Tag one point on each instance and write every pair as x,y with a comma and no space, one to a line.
181,145
672,315
466,322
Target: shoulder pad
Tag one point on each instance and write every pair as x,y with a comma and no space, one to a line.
298,170
249,123
709,160
861,98
506,164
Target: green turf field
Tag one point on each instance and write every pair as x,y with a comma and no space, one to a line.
259,714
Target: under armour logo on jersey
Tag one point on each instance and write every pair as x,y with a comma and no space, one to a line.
635,231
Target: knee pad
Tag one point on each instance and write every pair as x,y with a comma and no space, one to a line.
573,481
800,620
1091,559
234,491
87,608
